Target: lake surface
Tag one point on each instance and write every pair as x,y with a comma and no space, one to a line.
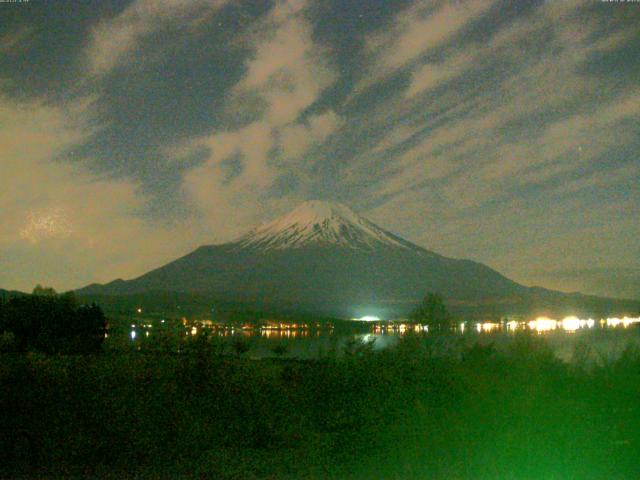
599,341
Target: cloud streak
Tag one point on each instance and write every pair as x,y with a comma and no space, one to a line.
115,40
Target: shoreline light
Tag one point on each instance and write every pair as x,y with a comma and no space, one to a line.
487,327
571,324
625,321
543,324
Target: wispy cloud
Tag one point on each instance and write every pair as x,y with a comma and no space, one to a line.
432,74
285,75
418,30
113,41
422,27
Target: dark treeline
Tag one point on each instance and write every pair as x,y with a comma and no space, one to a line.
50,323
425,409
537,302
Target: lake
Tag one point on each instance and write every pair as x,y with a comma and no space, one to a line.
598,341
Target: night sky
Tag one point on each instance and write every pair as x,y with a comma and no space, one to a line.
132,132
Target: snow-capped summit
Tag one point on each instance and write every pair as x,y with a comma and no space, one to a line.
320,223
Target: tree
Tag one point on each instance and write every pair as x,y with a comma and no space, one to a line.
432,312
54,323
44,291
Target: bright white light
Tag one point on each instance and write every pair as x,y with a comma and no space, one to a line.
613,322
571,324
543,324
194,330
462,327
512,325
590,323
133,334
139,310
625,322
369,318
489,326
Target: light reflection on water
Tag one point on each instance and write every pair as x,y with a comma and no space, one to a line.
305,342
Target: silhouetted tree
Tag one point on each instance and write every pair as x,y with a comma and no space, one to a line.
44,291
54,323
432,312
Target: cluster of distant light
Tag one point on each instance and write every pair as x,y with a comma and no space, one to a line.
271,328
400,328
540,324
545,324
570,324
145,327
624,321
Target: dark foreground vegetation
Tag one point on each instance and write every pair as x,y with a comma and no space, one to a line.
420,410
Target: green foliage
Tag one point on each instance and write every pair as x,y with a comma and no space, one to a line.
415,411
53,323
433,312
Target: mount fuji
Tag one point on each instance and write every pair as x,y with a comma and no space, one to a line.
322,257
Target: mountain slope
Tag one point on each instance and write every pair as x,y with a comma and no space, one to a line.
320,256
